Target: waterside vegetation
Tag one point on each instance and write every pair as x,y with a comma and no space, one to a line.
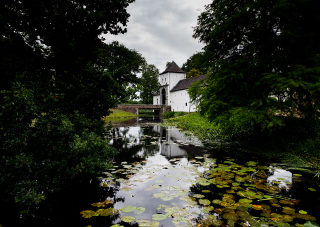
296,148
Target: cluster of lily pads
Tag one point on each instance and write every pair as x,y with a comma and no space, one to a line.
227,194
241,195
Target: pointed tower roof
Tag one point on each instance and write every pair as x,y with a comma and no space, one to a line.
173,68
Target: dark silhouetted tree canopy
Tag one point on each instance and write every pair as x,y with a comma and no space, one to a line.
149,83
58,78
264,57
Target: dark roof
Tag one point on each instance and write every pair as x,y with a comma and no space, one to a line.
186,83
173,68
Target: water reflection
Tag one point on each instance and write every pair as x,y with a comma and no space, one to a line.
162,176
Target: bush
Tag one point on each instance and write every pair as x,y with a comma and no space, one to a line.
43,152
167,114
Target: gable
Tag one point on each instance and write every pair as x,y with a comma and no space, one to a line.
186,83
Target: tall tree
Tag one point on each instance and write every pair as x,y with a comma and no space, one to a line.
198,62
58,78
149,83
264,57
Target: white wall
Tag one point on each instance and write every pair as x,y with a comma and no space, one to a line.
156,100
180,102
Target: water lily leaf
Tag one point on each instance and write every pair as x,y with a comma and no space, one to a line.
239,179
202,181
216,201
206,210
204,202
288,210
251,163
257,207
297,175
107,212
306,217
88,213
245,201
230,216
139,210
102,204
128,209
148,223
128,219
198,196
159,217
312,189
206,191
287,202
117,225
310,224
303,212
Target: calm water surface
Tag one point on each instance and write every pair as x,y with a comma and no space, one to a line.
163,177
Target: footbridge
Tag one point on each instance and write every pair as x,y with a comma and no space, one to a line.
134,108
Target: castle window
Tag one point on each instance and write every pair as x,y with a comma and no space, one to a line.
186,104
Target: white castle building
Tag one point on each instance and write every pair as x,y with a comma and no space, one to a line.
174,89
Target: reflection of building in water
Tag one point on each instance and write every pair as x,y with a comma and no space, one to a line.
283,178
171,141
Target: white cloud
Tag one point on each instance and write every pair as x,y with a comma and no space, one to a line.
161,30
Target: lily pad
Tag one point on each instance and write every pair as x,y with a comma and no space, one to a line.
204,202
140,210
310,224
303,212
128,209
207,209
107,212
251,163
147,223
128,219
245,201
159,217
88,213
312,189
198,196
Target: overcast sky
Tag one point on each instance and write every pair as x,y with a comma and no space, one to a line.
161,30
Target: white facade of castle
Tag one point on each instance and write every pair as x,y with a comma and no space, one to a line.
174,90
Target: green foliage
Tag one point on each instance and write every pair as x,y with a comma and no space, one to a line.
197,62
170,114
194,73
119,113
58,79
50,150
264,63
167,114
199,126
149,83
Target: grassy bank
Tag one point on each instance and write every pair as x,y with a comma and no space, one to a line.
197,125
118,116
282,147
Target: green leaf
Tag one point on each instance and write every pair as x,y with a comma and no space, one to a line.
159,217
128,219
303,212
128,209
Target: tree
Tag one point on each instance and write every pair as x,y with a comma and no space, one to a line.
194,73
149,83
58,79
260,50
198,62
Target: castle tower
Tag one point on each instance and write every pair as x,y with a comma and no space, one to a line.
168,79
